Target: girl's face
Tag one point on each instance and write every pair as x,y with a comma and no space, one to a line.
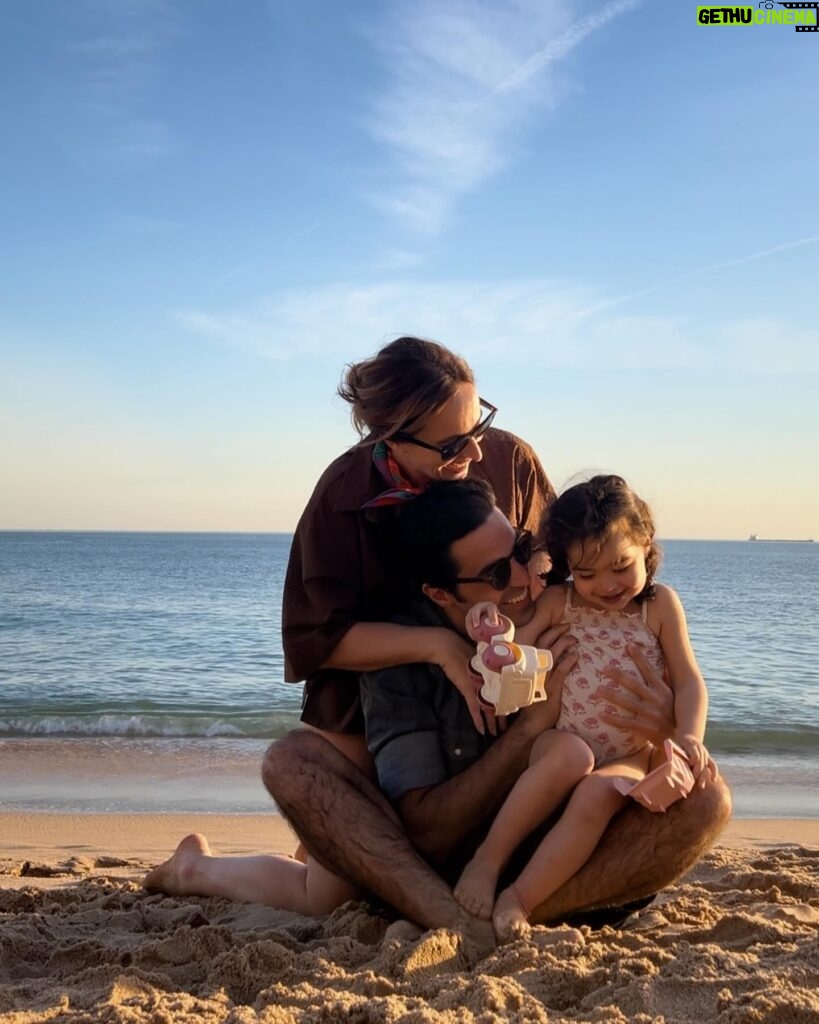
613,575
456,417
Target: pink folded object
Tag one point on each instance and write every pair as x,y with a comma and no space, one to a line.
668,782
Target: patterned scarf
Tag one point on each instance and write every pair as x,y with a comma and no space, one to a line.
400,490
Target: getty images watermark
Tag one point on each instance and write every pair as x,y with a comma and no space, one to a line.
803,16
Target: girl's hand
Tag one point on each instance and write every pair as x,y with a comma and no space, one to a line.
482,610
698,756
646,702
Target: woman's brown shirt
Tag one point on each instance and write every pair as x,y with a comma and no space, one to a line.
340,561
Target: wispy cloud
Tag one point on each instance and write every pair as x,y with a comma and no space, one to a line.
532,323
463,79
118,49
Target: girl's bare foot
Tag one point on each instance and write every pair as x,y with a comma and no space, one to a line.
175,876
509,917
475,889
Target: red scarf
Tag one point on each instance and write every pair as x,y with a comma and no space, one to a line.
400,490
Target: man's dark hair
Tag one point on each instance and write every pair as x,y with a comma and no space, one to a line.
430,524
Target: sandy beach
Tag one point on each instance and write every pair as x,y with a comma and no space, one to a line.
735,941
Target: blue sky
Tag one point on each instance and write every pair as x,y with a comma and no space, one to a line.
209,208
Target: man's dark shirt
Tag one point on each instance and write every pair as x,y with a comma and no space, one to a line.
417,724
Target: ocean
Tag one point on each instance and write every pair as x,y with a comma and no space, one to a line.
143,672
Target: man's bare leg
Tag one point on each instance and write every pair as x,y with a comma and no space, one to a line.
354,748
348,825
277,881
641,853
299,884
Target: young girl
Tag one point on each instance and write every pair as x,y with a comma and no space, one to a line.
601,539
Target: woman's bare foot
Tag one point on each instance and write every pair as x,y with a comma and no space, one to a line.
475,889
509,917
175,876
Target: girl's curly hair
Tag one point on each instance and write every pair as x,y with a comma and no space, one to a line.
588,513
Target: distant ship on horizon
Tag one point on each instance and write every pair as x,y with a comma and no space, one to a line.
782,540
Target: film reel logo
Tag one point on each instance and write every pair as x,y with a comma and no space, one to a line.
814,6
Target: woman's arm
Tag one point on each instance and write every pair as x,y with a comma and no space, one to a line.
369,646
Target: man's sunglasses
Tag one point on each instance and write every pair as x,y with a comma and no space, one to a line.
454,447
499,573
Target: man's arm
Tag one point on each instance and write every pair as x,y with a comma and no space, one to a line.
405,732
437,818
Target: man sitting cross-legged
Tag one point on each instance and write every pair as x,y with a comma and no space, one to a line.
442,781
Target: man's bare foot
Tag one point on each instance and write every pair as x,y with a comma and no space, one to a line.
478,938
175,875
509,917
544,936
475,889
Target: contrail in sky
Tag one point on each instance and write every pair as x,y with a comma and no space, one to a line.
810,240
559,47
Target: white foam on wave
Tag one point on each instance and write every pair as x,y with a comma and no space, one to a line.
148,726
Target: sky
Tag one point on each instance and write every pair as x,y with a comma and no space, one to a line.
208,209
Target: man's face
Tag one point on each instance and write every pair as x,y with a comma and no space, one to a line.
473,555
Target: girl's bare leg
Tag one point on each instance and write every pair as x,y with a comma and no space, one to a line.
568,846
558,760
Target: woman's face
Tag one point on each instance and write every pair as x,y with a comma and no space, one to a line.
456,417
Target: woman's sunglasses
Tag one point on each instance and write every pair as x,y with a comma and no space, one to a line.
454,447
499,573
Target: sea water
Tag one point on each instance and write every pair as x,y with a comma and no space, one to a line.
159,656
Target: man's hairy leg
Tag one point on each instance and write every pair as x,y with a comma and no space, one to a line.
642,852
348,825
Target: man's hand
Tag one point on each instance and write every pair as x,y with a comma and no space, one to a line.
645,700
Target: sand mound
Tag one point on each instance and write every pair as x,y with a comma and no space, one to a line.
735,942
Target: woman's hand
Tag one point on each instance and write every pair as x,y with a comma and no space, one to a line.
646,701
453,656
